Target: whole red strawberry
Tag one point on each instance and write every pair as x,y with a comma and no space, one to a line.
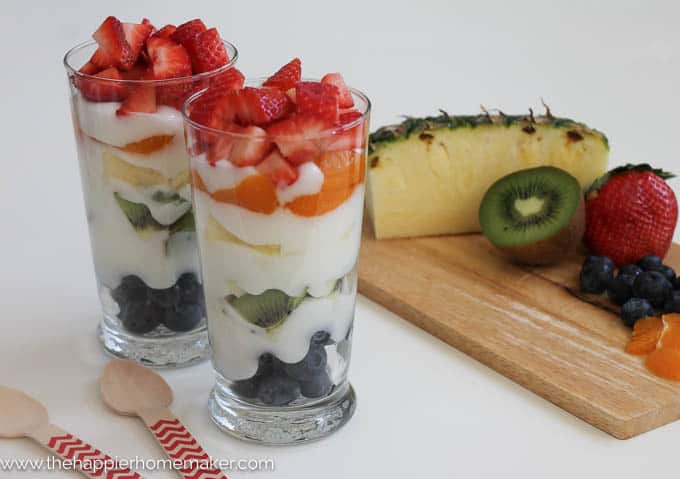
631,212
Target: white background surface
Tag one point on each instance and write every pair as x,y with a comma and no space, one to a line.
425,410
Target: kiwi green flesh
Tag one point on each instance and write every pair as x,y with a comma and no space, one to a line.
267,310
553,249
529,206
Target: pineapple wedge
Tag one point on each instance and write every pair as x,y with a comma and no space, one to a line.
427,176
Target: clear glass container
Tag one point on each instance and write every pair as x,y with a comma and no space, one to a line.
137,190
279,268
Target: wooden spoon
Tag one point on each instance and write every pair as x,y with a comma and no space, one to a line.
23,416
133,390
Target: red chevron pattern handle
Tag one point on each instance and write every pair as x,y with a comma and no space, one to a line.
91,461
180,445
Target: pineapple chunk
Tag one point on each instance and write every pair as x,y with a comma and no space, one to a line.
115,167
428,176
214,231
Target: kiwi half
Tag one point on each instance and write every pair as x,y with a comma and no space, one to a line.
535,216
267,310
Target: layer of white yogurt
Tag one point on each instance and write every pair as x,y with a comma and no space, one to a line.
165,213
224,175
98,120
312,252
118,249
237,344
297,255
170,160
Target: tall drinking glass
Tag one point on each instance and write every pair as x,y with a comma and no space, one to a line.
279,268
137,189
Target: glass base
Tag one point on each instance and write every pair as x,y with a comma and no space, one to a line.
178,350
281,425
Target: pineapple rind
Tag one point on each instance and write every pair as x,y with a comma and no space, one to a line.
425,178
411,125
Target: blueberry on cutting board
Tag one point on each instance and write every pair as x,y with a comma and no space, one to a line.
596,274
654,287
631,270
620,289
650,263
672,303
634,309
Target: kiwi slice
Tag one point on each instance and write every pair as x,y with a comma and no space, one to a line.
267,310
535,216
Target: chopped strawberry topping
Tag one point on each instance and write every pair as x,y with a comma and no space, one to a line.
138,72
172,52
101,60
348,139
142,99
277,169
146,21
349,116
250,106
102,90
251,150
287,76
344,95
247,150
89,69
166,31
317,99
295,137
174,94
219,85
260,106
231,79
135,35
169,59
111,39
188,30
207,51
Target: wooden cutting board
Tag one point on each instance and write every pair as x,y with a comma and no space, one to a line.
529,324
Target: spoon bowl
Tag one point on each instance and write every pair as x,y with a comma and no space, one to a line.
19,413
129,388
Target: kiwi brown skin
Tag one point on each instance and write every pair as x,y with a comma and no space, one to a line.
553,249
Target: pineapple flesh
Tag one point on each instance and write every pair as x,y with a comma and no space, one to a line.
427,176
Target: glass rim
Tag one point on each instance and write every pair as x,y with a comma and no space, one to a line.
159,82
259,80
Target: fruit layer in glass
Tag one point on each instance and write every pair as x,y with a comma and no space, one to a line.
126,92
278,178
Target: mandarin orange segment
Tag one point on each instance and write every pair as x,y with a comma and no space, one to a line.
646,334
671,332
148,145
665,363
343,171
255,193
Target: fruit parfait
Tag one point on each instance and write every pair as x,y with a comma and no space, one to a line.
127,88
278,173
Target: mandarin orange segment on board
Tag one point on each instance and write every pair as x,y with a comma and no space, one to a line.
671,332
148,145
646,334
665,363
